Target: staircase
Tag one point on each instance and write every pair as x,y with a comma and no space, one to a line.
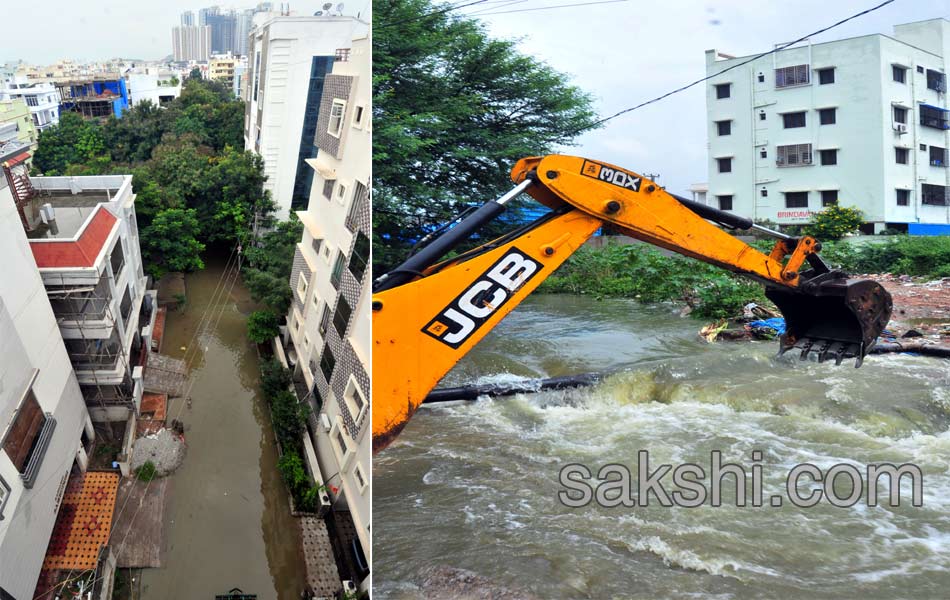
23,192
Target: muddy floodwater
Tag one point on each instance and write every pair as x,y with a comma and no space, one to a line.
228,523
475,485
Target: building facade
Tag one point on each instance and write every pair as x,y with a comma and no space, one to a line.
41,98
191,42
289,60
16,123
227,69
45,429
859,122
329,322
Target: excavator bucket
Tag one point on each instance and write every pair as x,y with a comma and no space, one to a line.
831,316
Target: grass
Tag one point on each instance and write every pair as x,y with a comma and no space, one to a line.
146,472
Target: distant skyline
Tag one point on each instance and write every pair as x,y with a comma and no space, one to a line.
96,31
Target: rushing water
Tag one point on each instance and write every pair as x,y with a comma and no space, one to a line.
475,485
227,523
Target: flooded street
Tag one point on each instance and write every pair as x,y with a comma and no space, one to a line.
475,485
228,523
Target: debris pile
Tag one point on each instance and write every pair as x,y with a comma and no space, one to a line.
165,450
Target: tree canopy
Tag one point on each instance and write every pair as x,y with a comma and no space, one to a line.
453,110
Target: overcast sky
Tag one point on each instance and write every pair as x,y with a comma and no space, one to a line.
628,52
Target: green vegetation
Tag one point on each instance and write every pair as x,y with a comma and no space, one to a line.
146,472
271,260
644,273
454,109
194,184
835,222
262,326
925,256
290,421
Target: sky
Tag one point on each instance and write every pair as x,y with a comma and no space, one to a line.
622,53
628,52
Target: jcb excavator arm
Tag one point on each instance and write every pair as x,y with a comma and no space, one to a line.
428,314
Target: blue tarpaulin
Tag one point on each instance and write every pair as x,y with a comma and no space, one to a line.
776,323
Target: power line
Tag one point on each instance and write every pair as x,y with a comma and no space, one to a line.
435,13
505,12
735,66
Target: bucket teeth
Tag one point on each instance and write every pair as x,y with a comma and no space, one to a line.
825,350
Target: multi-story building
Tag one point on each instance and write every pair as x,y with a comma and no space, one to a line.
16,123
859,122
95,96
45,429
226,69
289,59
41,98
158,86
191,42
329,323
188,18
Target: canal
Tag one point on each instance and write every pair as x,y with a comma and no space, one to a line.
475,485
228,522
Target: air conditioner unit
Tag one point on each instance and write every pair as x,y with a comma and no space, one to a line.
325,420
900,128
349,588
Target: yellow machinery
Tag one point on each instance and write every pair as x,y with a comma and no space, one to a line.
428,314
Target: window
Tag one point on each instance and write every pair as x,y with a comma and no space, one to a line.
793,120
793,155
763,153
724,127
4,495
325,319
306,341
358,116
352,215
723,90
829,198
355,399
899,74
342,54
336,117
791,76
327,362
920,69
359,260
762,116
328,188
315,244
725,202
316,301
900,114
827,116
936,81
828,157
32,101
938,156
725,165
361,482
341,316
826,76
923,147
903,197
900,155
301,285
117,260
764,193
28,437
761,77
337,274
933,116
935,195
341,445
796,199
341,193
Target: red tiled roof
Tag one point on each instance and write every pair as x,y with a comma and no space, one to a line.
17,159
79,253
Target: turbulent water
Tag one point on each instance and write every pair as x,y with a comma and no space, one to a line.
475,485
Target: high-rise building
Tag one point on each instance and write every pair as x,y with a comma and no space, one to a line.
188,18
289,59
860,122
191,43
329,323
243,24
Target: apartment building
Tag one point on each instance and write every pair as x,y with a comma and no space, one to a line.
191,42
288,61
227,70
41,98
328,333
45,429
16,123
860,122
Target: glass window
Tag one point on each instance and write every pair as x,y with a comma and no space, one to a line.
829,197
360,258
723,90
827,116
793,120
826,76
725,202
725,165
336,117
341,316
796,199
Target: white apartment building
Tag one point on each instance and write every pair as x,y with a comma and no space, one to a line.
158,86
42,99
329,322
288,60
45,429
191,42
859,122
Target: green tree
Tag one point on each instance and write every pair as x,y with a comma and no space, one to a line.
269,264
835,222
262,326
171,242
453,109
73,141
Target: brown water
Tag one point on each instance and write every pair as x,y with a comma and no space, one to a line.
228,523
475,485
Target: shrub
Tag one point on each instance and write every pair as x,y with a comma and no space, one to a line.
274,378
298,481
146,472
262,325
289,418
835,222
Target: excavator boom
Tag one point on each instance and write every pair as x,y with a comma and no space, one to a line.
428,314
